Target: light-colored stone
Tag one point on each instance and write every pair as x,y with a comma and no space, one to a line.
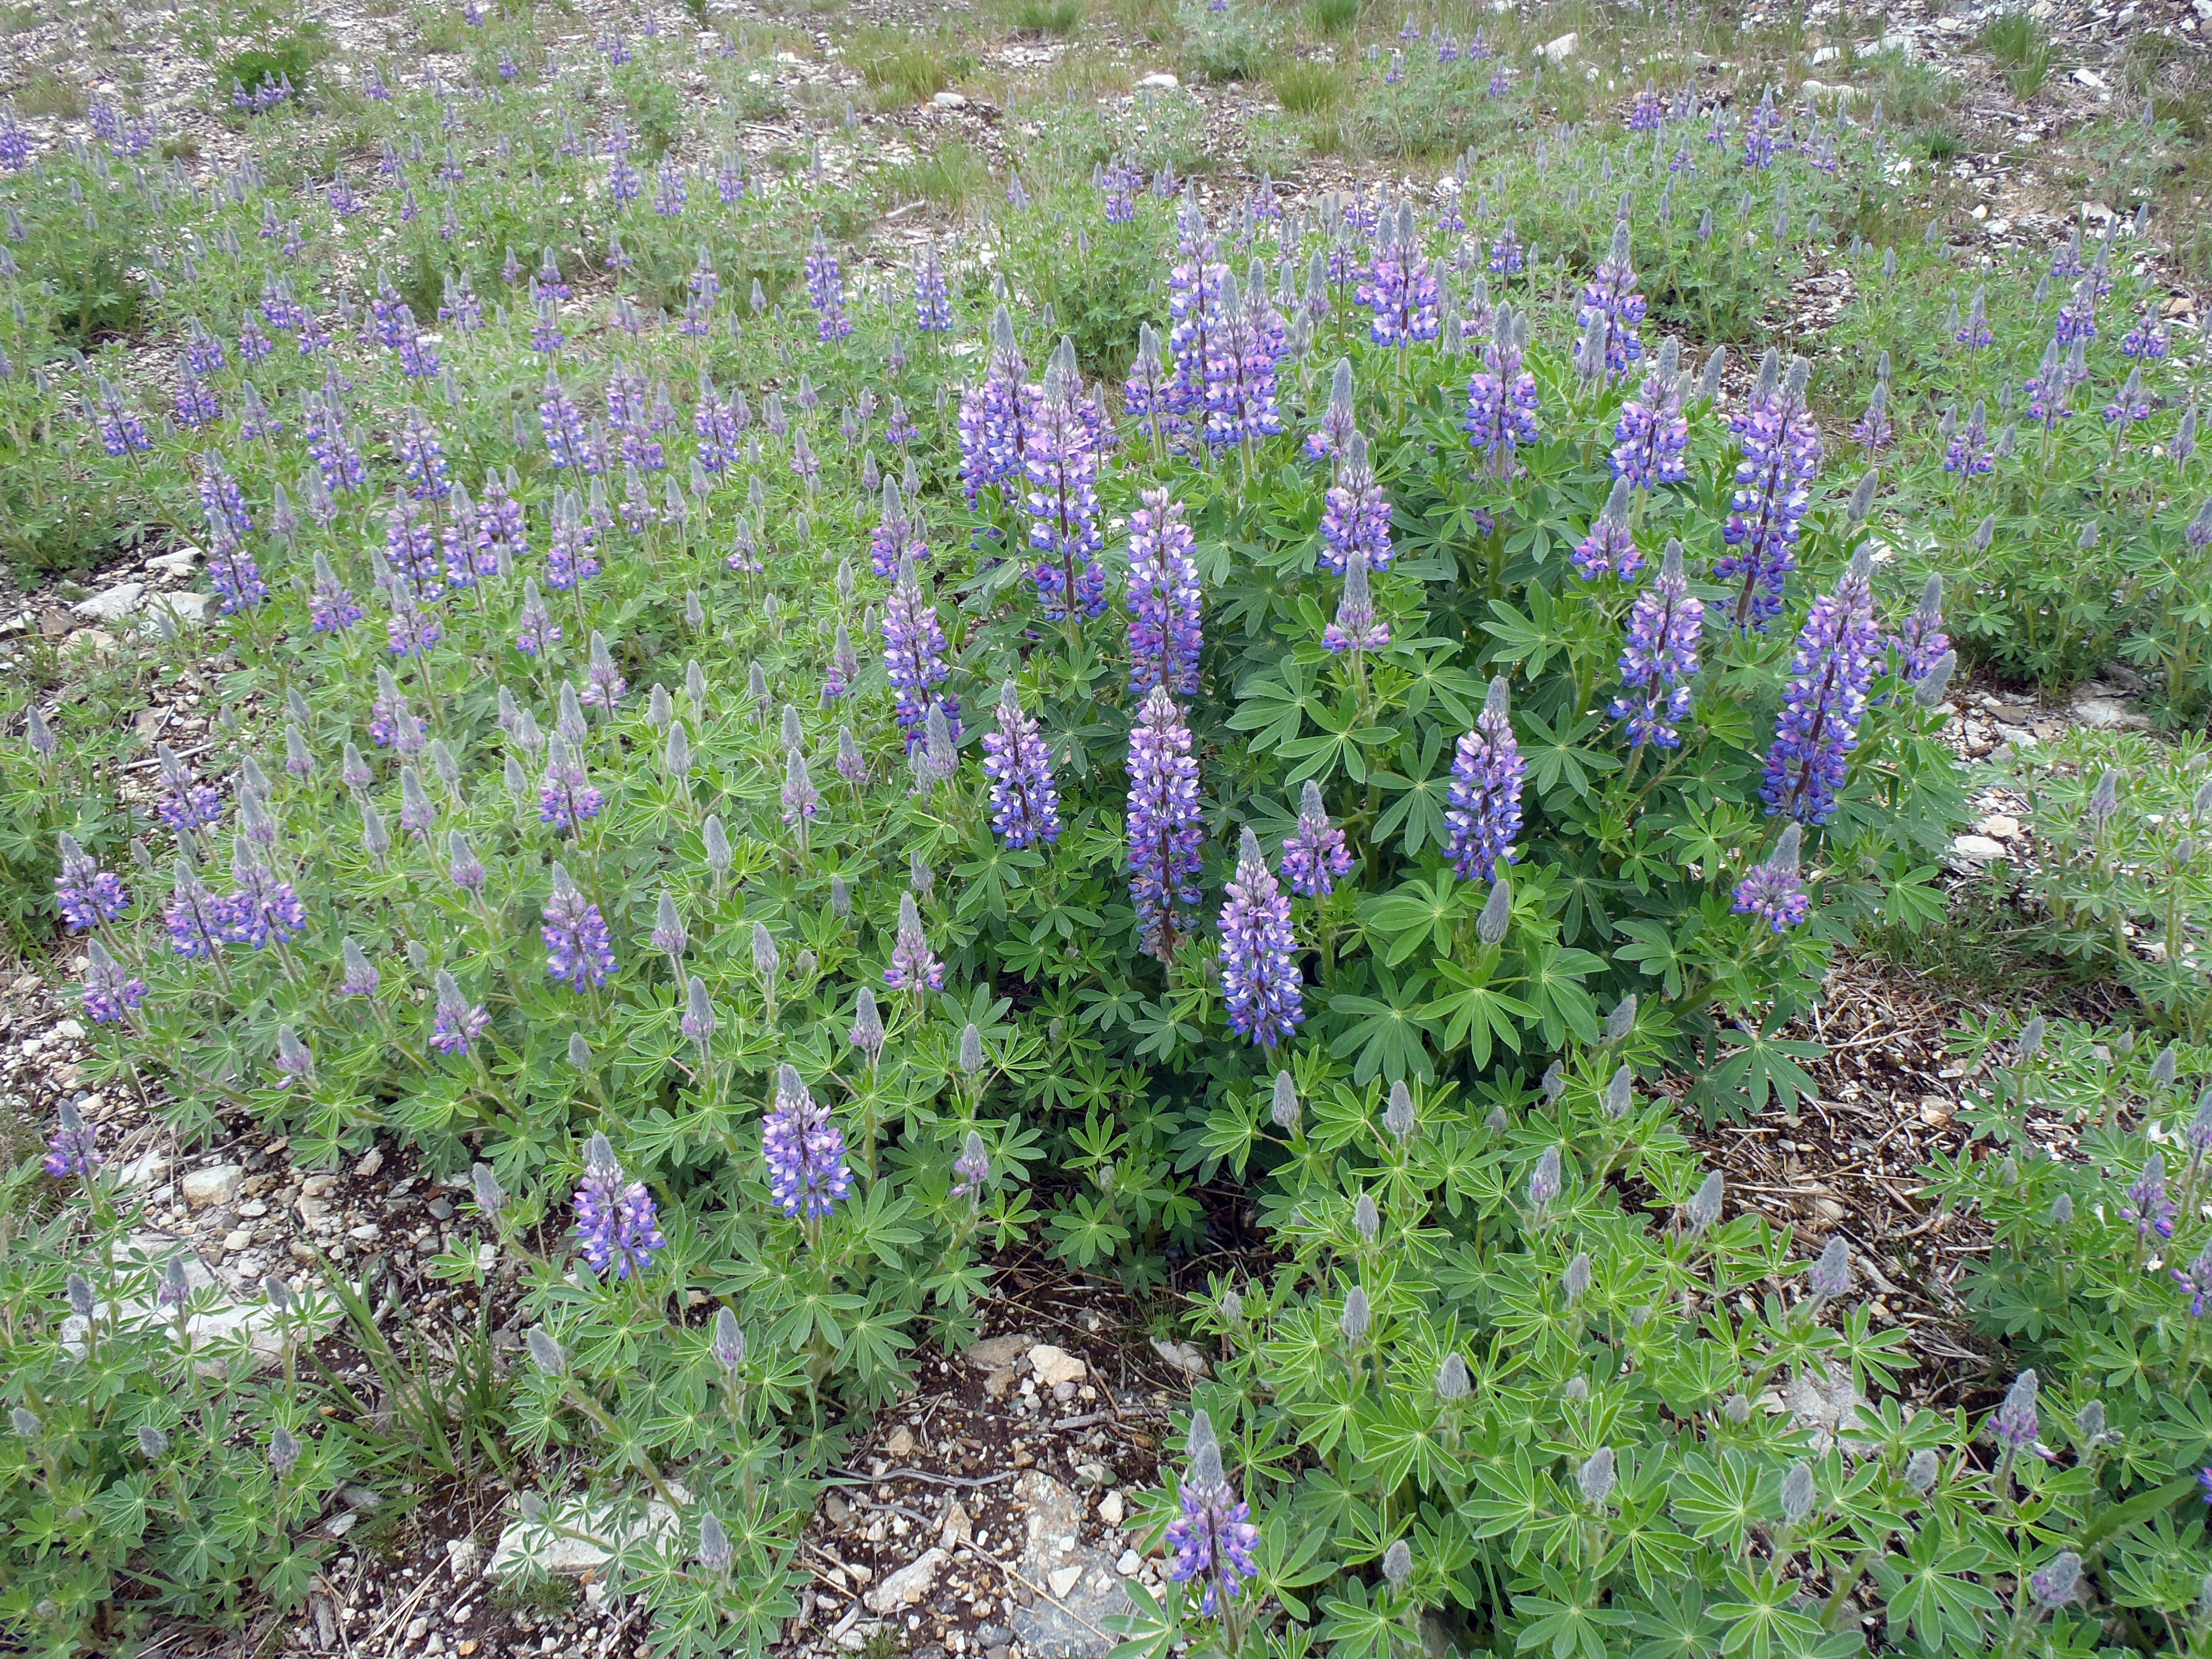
187,610
1065,1579
217,1185
1934,1111
1999,826
1977,850
900,1443
1563,47
237,1239
1110,1509
176,561
958,1528
1051,1366
2109,714
1161,80
1128,1565
995,1353
371,1161
110,605
1183,1356
949,101
907,1585
70,1029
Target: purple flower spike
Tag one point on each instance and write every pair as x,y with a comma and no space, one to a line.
85,894
825,291
1060,462
1653,435
1024,801
1242,350
1260,977
1355,628
1164,601
932,306
1660,657
1214,1538
1609,548
1399,287
580,952
458,1026
1610,313
2149,1206
914,655
2195,1279
806,1168
1356,513
110,991
1316,857
1164,826
1484,811
73,1149
1774,891
199,922
914,966
2016,1423
1501,398
1781,459
1826,699
616,1224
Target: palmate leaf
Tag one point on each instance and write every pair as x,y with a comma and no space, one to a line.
1423,793
1472,1014
1931,1590
1764,1065
1570,1619
1387,1030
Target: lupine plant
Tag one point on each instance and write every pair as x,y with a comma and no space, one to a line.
822,773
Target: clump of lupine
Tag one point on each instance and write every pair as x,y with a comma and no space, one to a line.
760,846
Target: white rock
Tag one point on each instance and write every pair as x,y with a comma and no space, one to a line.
907,1585
113,605
2090,78
144,1169
1053,1366
1827,54
218,1185
237,1239
1110,1509
1128,1565
1064,1579
2108,714
371,1161
176,561
1558,51
70,1029
187,611
1183,1356
1977,850
1161,79
950,100
2000,826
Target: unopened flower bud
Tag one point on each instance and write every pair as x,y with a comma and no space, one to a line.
1596,1477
